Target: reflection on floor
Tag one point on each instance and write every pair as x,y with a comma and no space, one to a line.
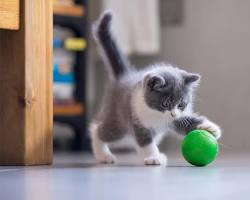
78,177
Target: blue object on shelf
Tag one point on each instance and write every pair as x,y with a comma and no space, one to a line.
62,77
58,43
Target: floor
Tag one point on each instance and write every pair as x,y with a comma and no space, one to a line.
78,177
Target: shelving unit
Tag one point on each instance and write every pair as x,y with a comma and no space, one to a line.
74,115
69,110
74,11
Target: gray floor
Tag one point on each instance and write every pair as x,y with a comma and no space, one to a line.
78,177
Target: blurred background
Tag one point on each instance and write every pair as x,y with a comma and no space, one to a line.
206,37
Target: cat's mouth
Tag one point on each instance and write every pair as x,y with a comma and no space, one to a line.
171,113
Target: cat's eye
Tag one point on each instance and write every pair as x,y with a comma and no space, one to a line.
170,99
164,104
167,102
162,86
182,105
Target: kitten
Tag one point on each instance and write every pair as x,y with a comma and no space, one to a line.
145,104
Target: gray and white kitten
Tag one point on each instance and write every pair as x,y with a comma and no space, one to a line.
144,104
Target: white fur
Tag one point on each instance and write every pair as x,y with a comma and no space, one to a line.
152,156
148,117
100,149
211,127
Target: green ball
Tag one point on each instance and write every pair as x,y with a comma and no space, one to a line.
200,147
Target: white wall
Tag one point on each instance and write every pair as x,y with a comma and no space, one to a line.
214,40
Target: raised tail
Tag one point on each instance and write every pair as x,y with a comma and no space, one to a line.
118,64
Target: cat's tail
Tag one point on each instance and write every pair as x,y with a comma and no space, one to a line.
118,65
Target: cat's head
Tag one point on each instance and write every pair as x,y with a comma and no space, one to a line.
169,89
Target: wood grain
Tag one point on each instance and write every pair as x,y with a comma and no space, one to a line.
9,14
26,87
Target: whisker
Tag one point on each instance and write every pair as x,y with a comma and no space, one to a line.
225,146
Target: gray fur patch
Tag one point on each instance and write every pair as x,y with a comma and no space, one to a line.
114,116
143,136
183,125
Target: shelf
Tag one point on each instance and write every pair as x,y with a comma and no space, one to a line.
74,11
74,16
68,110
9,14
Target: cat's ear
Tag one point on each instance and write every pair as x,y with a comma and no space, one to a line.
154,81
191,78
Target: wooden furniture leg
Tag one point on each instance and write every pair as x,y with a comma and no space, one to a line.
26,87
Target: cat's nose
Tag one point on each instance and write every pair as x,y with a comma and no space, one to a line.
173,114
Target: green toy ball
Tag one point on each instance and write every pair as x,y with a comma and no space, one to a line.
200,147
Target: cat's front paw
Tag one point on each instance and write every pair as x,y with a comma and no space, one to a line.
211,127
160,159
106,158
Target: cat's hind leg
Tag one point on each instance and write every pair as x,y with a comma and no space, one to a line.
100,149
